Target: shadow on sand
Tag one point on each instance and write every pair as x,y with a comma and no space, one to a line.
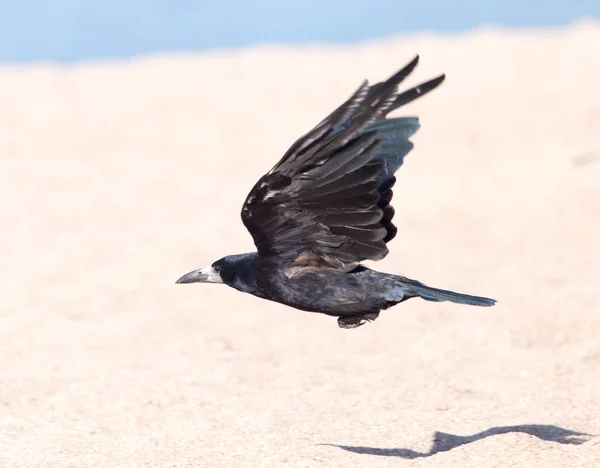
443,442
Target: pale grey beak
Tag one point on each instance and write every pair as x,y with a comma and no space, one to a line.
203,275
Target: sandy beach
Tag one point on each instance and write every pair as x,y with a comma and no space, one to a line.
118,177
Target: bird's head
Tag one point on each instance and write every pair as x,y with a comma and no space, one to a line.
229,270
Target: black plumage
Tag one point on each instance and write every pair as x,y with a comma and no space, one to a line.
325,207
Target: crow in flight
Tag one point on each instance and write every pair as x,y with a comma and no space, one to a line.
325,207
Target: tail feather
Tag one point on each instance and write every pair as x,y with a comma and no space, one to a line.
441,295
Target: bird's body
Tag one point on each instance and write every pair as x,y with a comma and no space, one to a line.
354,297
325,207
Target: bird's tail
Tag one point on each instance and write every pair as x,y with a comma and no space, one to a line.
417,289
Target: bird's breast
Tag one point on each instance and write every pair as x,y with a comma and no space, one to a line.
330,292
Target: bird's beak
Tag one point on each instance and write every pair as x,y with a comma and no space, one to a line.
203,275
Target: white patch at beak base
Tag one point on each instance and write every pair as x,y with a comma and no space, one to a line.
211,275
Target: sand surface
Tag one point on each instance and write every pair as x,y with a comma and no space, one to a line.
117,178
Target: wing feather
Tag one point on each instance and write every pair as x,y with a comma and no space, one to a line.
326,203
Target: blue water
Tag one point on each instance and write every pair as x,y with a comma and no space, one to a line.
73,30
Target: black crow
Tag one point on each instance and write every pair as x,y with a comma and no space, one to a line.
325,207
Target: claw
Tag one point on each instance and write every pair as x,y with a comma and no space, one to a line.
355,321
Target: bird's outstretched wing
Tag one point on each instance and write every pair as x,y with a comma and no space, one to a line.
326,203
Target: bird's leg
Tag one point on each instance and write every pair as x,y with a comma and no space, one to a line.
355,321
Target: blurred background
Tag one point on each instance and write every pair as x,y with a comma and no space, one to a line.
73,30
119,175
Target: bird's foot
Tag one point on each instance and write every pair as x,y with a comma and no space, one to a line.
355,321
